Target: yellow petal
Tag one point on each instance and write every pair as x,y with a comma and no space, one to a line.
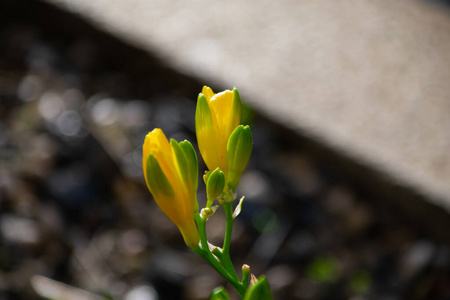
190,233
208,92
207,134
225,121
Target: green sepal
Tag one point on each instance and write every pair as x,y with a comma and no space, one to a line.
239,149
259,291
237,106
180,159
203,117
157,180
219,294
192,161
214,186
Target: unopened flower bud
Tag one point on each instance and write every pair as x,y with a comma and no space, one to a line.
214,186
239,149
171,173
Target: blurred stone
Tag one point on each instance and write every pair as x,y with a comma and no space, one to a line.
73,99
30,88
106,112
50,105
49,216
91,261
302,172
51,289
69,123
268,244
173,114
359,219
41,57
306,289
339,200
3,135
19,230
302,244
442,257
281,277
175,266
199,288
133,242
365,78
255,186
135,113
143,292
416,258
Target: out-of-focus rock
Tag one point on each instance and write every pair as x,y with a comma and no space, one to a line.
366,78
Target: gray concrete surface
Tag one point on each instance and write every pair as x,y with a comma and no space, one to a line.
370,79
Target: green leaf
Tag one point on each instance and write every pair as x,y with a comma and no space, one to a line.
259,291
219,294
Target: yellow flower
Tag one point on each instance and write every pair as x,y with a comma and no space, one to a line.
170,171
216,116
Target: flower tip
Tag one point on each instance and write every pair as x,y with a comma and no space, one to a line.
207,91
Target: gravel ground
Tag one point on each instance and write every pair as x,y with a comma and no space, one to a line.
77,219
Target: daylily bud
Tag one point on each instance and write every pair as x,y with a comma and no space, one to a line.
170,171
239,149
214,186
216,116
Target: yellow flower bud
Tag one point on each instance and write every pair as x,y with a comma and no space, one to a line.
170,171
216,116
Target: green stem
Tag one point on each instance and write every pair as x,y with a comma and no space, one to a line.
204,252
245,275
225,257
201,229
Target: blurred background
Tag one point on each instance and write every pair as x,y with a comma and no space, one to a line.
80,87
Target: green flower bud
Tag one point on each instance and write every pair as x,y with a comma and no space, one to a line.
259,290
239,149
219,294
214,186
205,176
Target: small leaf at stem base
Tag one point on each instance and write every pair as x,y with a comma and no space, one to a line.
238,208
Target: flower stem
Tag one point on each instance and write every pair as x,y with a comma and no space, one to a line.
222,266
225,257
